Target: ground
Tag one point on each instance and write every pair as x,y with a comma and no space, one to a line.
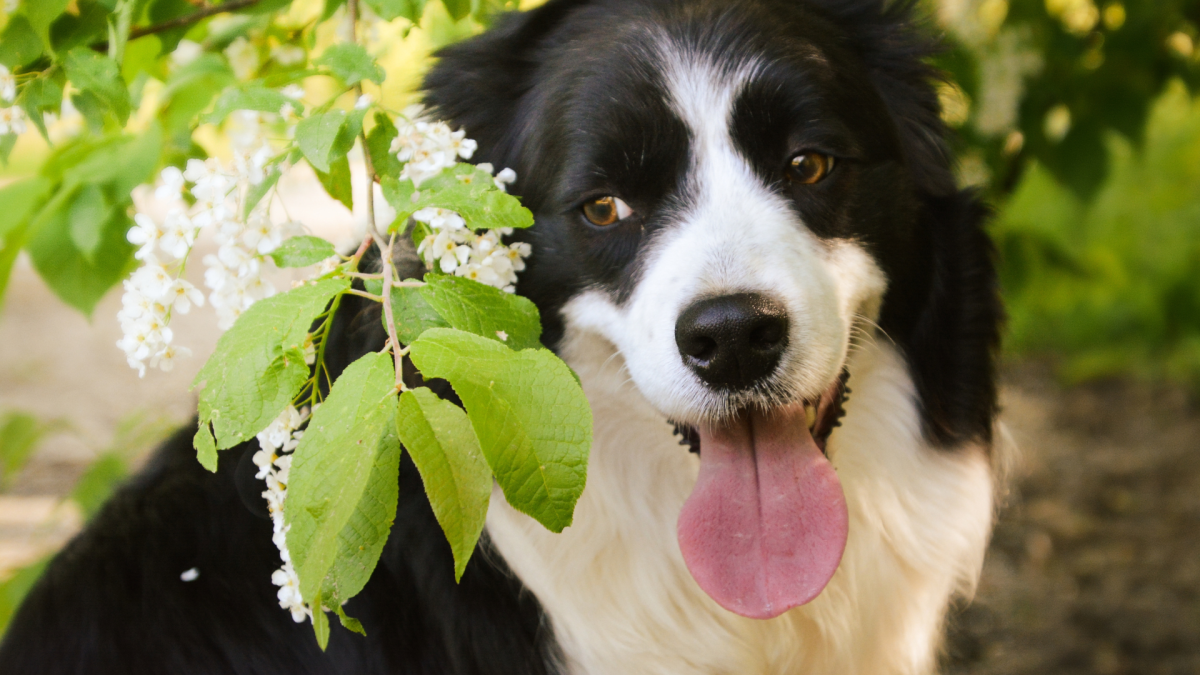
1095,566
1095,562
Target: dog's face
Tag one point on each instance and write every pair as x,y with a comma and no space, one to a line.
730,193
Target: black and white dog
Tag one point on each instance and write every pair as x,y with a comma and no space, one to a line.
745,212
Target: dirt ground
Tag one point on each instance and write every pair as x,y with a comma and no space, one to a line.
1095,562
1095,565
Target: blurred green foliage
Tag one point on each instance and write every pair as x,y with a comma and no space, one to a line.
1113,284
1075,119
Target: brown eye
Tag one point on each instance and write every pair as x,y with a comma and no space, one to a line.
809,168
606,211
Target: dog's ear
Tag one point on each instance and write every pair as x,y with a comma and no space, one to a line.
477,84
895,43
949,331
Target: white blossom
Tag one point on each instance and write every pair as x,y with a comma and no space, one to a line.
144,233
186,52
288,55
293,91
170,185
181,295
8,85
243,58
12,121
178,234
274,464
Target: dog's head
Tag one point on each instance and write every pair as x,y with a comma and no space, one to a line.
731,192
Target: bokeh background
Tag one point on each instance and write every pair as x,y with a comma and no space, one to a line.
1076,119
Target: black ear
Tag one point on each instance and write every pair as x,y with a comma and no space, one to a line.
478,84
951,331
895,42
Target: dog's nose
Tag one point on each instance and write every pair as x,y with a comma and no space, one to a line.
733,341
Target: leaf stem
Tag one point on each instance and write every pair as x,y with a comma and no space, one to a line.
389,272
364,294
389,278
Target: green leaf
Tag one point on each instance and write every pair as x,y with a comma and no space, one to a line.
190,89
529,413
79,280
41,95
343,487
120,163
20,434
457,8
42,13
18,201
7,143
331,8
391,9
413,314
90,213
379,147
316,136
206,447
84,26
97,484
348,622
439,438
351,64
337,182
15,588
100,83
463,189
327,137
257,192
258,365
320,623
19,43
483,310
251,97
302,252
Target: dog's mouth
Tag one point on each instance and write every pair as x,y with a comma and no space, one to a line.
821,416
766,524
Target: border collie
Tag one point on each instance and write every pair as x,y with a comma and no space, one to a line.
750,247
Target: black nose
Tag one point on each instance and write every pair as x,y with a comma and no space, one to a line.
733,341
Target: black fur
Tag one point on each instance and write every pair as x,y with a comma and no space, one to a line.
112,602
565,95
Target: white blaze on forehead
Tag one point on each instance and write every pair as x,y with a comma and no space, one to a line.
735,234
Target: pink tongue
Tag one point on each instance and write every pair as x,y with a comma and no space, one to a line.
766,524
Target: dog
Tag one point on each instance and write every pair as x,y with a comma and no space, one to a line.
750,246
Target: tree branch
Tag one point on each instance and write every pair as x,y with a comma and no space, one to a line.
190,19
181,21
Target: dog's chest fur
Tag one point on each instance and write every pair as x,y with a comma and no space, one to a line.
620,599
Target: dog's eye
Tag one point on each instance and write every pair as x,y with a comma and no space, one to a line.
606,211
809,168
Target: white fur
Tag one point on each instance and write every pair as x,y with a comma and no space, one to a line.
621,600
614,584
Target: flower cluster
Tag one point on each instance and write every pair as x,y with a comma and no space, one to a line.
456,249
12,118
428,148
274,462
233,274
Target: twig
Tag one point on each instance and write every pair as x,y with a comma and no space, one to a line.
364,294
181,21
388,278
